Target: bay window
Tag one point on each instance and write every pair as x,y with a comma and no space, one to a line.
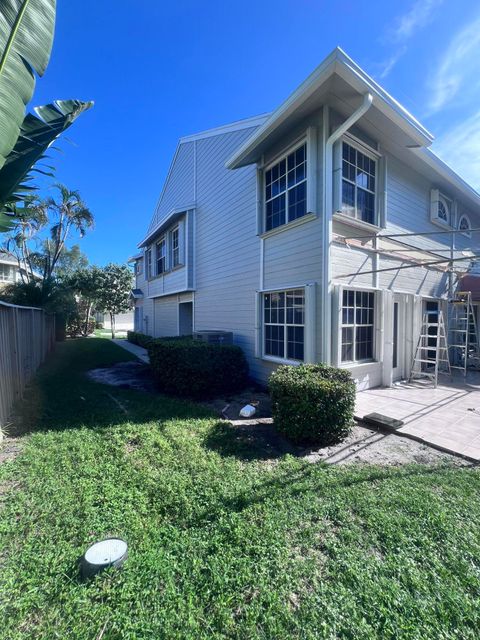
284,324
359,177
161,256
357,326
175,247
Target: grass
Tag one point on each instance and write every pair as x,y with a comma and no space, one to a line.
106,333
223,544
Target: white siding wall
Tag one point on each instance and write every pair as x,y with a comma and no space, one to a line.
227,248
178,189
165,312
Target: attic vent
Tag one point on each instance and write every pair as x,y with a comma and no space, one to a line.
214,337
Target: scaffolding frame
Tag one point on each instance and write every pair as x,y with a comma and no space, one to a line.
437,261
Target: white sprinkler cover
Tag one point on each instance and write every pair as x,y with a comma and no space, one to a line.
248,411
106,552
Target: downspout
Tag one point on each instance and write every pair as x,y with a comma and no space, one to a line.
326,325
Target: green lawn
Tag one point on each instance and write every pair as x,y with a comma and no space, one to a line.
223,544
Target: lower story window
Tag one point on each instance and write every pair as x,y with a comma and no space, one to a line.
284,324
358,311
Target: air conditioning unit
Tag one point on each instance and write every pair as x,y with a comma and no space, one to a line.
214,337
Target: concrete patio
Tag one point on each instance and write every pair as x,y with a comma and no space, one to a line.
447,417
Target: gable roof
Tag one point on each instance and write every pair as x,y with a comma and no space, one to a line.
339,73
309,94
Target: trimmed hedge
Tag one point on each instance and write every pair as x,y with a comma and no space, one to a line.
312,403
141,339
191,368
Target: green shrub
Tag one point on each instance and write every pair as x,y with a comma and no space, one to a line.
141,339
312,403
191,368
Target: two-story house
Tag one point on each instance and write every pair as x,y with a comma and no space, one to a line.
275,228
10,272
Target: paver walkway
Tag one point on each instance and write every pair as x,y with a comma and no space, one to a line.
140,352
447,417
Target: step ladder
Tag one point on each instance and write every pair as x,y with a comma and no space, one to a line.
431,355
462,333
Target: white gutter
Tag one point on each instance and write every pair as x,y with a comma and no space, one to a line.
326,320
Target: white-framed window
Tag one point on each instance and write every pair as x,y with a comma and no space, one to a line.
148,262
359,183
139,267
441,208
286,188
175,247
465,226
357,326
161,255
6,273
284,324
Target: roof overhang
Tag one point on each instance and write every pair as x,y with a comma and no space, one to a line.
136,294
174,215
340,76
441,171
137,256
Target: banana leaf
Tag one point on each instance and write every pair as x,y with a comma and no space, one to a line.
37,133
26,37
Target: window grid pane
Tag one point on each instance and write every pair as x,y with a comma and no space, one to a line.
286,189
175,248
284,323
358,184
358,317
161,256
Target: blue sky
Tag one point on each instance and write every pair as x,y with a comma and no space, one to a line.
159,70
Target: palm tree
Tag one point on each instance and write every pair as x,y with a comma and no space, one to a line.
71,213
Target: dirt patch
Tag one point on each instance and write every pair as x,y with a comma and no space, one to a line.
9,449
126,375
371,446
258,439
228,407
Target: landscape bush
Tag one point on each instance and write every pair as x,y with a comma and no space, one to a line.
192,368
75,327
141,339
312,403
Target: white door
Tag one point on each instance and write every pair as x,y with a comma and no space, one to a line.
398,338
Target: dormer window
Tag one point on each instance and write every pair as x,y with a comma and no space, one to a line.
440,209
464,226
286,189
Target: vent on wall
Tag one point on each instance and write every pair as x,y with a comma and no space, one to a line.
214,337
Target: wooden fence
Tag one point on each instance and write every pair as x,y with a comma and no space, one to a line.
27,335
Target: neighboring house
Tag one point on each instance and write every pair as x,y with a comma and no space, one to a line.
123,321
268,227
10,272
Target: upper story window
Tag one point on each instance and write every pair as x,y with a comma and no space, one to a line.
359,172
148,263
286,189
175,247
440,208
139,267
161,256
6,273
465,226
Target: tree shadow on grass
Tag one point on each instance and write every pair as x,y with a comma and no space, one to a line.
61,396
